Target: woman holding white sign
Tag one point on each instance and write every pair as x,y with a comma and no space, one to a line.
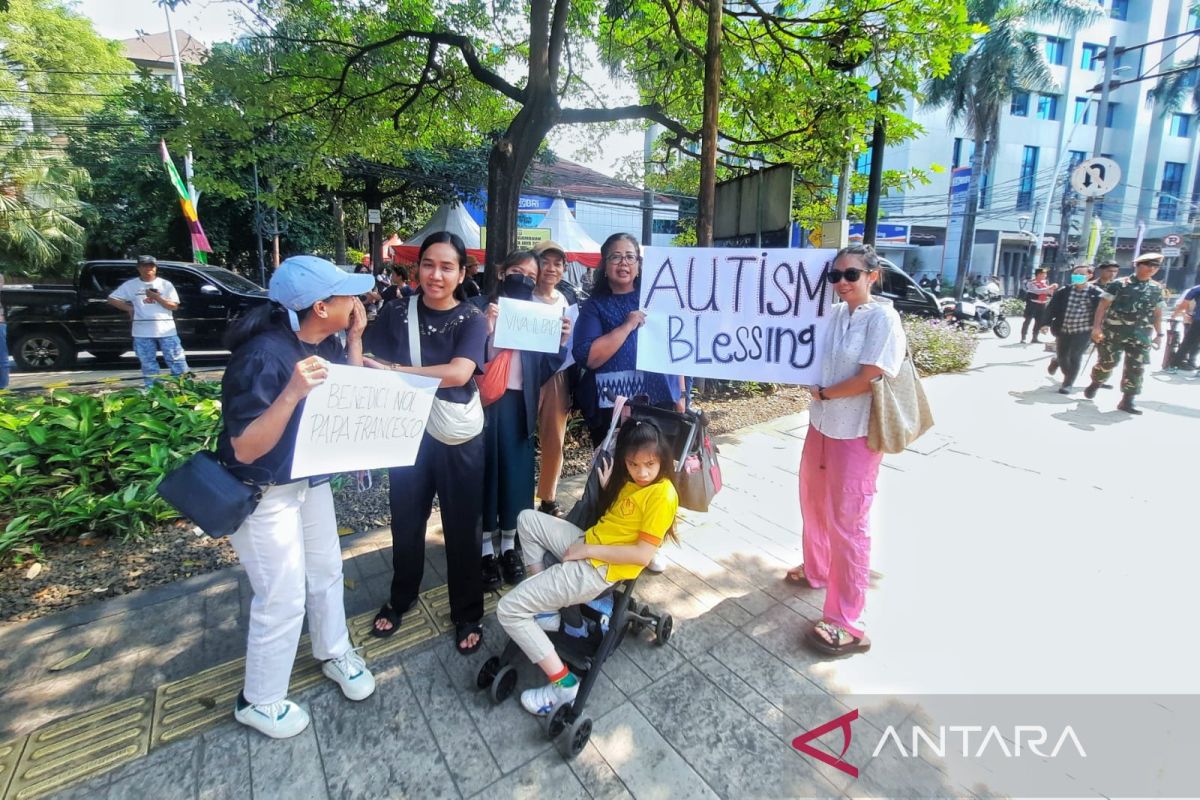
289,544
863,340
438,334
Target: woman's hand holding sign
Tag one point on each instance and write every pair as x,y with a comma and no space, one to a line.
307,375
566,331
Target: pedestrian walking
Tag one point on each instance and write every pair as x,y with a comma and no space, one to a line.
863,341
289,545
150,301
1069,315
1128,309
1188,307
1037,294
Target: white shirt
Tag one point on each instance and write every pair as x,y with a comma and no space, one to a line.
871,336
150,320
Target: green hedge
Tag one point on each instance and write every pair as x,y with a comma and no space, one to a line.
76,463
1013,307
937,347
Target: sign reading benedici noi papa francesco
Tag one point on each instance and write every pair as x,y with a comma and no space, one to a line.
748,314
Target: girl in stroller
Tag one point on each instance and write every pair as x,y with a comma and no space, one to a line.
638,506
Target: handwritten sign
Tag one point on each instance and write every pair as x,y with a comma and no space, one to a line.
571,313
528,325
735,313
362,418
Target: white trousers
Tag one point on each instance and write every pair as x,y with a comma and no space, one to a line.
557,586
290,550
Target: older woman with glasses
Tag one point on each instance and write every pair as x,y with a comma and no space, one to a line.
606,341
863,340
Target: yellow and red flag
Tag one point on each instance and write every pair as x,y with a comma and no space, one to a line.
200,244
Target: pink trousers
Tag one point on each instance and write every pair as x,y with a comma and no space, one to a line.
837,486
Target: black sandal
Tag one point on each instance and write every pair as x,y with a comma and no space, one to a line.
464,629
388,614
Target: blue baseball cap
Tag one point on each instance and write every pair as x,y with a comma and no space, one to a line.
301,281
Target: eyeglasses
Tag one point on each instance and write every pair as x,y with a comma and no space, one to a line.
851,275
617,258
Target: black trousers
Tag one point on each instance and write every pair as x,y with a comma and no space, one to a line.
452,472
1185,356
1071,349
1034,313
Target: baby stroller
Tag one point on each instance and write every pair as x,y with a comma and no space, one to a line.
607,618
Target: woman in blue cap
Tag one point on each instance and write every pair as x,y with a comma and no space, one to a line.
289,545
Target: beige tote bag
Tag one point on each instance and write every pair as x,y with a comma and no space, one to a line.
899,410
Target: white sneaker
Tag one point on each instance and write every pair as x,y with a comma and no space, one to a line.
549,621
350,672
280,720
544,699
658,564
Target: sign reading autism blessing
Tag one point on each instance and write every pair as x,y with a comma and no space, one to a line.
735,313
362,418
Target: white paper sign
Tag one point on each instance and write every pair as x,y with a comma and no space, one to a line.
735,313
528,325
362,418
572,313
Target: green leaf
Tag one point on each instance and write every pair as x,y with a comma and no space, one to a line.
71,661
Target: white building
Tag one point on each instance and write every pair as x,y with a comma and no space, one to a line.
152,52
1043,134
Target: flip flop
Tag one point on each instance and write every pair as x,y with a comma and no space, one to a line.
796,575
855,645
388,614
464,629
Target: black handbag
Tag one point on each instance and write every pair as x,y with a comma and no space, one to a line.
208,494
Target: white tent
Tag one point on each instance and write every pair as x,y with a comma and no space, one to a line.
451,217
565,230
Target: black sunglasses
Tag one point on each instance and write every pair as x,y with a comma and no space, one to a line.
851,275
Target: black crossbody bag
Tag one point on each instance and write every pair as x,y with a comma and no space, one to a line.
208,494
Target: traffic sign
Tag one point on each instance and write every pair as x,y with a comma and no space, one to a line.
1170,252
1172,240
1096,176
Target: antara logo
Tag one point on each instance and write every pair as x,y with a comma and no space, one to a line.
1025,738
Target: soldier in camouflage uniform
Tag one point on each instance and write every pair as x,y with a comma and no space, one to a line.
1128,309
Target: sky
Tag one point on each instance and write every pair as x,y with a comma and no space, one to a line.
216,20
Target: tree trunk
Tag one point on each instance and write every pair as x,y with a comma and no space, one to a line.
339,235
708,132
967,247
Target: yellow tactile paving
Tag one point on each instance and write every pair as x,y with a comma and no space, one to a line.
417,627
9,753
81,747
187,707
437,603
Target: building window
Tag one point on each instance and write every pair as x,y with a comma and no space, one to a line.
1181,125
1083,111
958,146
1056,50
1091,55
1172,185
1047,106
983,190
1120,9
1074,159
1029,162
1020,104
1110,114
862,165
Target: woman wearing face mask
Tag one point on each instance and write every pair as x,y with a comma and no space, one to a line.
863,340
510,425
606,341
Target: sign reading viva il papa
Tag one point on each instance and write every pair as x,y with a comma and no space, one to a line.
749,314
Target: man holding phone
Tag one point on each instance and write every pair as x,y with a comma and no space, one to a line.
149,301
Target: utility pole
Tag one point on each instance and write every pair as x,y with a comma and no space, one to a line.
258,237
708,133
647,195
875,182
1110,57
187,159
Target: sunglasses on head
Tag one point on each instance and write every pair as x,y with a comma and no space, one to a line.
851,275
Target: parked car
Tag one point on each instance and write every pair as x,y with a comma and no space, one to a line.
907,297
48,325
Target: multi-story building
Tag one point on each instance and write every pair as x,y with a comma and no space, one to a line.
1044,134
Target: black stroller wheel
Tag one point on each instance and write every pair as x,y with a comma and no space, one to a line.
503,684
662,631
575,737
487,673
554,722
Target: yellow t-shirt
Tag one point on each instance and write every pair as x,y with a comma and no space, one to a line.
639,514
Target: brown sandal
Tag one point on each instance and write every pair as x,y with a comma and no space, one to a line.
796,575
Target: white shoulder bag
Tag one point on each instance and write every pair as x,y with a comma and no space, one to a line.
449,423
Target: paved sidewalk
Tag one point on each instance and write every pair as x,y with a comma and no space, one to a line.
1025,523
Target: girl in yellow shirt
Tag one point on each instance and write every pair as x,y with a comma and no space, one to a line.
640,504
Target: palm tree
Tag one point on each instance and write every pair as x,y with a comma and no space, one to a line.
39,193
1008,57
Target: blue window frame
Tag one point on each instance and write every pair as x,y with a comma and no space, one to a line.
1091,56
1083,111
1171,187
1019,107
1029,162
1047,106
1074,159
1181,125
1056,50
862,165
1119,9
1110,114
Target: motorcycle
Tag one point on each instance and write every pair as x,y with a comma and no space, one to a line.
978,311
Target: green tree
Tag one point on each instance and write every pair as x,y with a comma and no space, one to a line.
1007,58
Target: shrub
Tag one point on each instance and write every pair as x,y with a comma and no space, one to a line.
937,347
1012,307
76,463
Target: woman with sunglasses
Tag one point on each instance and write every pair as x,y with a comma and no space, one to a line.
863,340
606,341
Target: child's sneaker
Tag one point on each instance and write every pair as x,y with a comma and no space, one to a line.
544,699
658,564
549,621
350,672
280,720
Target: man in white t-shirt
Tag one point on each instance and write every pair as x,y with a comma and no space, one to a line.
149,301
